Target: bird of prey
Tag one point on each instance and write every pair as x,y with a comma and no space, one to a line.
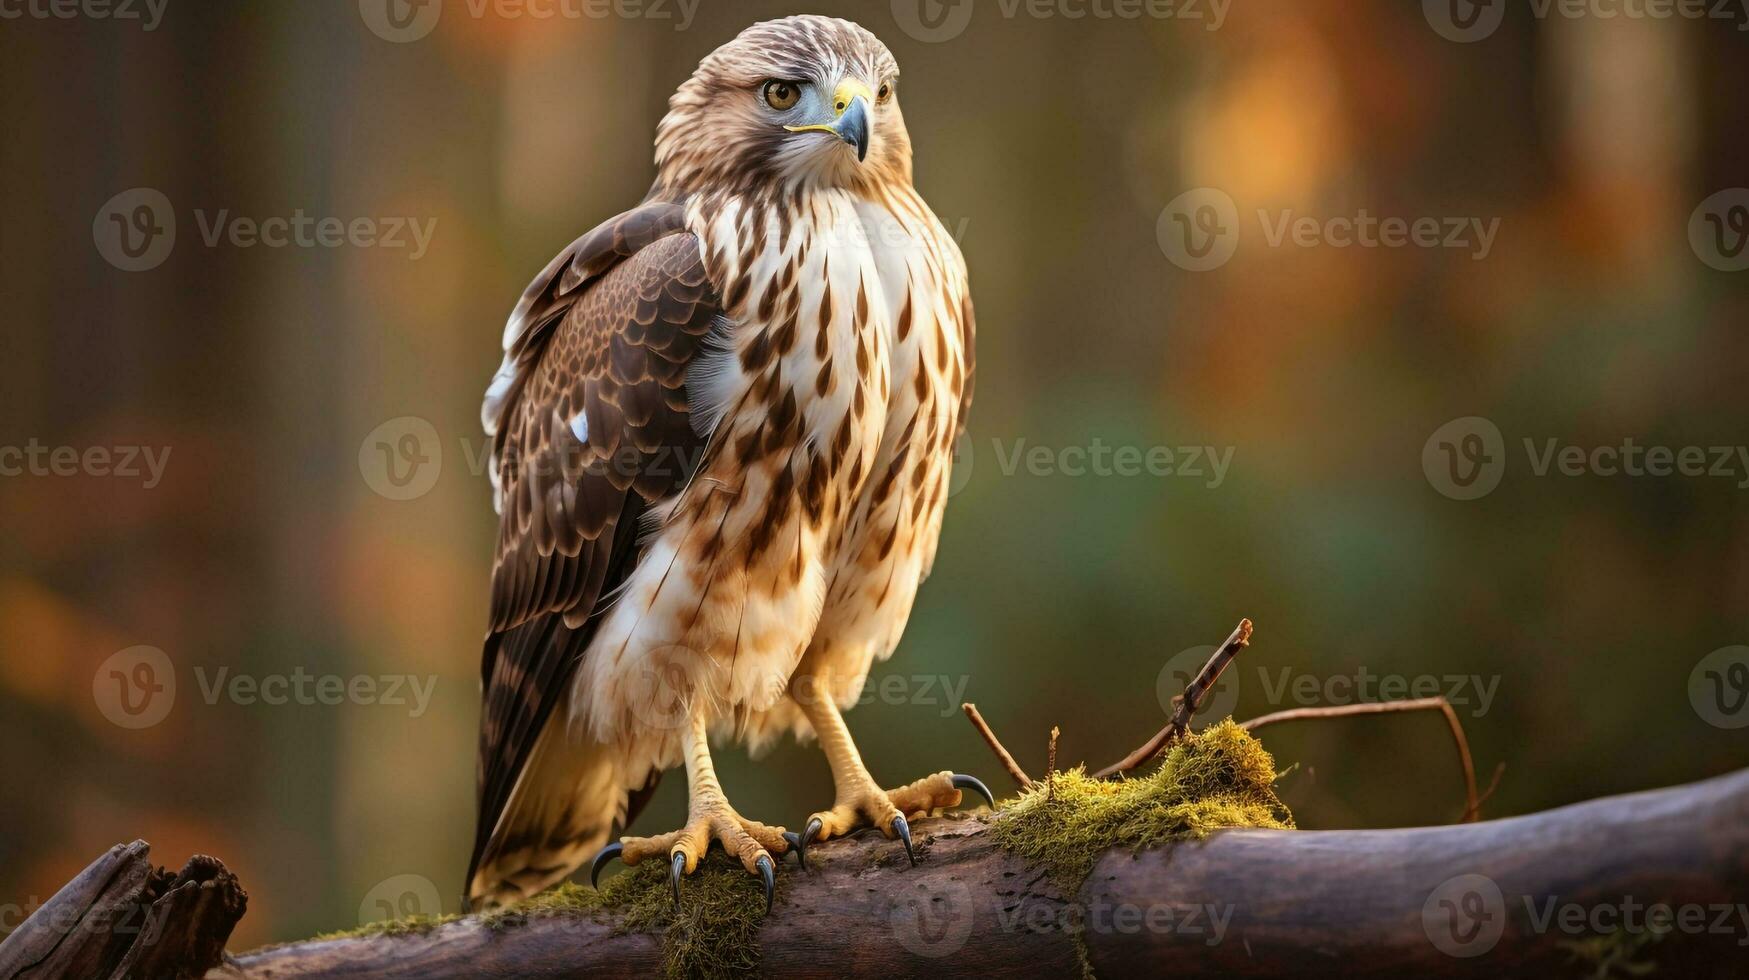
722,435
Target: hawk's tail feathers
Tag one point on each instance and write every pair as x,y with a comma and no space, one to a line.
564,805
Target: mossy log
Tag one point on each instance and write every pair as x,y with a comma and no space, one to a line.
1483,899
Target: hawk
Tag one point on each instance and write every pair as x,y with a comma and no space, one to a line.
722,435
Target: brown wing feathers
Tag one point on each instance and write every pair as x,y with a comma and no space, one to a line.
594,429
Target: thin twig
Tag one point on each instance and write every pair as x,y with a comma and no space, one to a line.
1188,703
1051,765
1493,784
1021,779
1472,811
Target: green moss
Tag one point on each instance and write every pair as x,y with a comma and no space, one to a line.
1217,779
714,933
411,925
1619,953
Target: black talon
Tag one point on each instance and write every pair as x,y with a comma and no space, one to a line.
795,844
768,875
603,856
963,781
800,843
904,829
676,868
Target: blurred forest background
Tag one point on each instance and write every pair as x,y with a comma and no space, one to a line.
273,544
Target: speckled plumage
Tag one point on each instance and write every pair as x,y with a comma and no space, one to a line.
769,361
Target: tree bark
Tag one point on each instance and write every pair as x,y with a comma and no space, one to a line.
1511,897
121,918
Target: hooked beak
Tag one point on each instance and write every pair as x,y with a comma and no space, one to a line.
850,103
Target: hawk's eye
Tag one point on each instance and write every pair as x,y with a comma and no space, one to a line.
781,95
885,93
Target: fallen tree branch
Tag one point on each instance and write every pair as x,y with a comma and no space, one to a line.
1245,903
1472,802
123,918
1019,775
1187,704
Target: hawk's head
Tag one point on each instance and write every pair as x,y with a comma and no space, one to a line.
802,101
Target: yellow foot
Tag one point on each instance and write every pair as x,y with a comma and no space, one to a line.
711,818
864,804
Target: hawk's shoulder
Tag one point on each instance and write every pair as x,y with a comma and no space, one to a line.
591,406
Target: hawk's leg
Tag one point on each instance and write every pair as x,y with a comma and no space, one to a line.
860,801
708,817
